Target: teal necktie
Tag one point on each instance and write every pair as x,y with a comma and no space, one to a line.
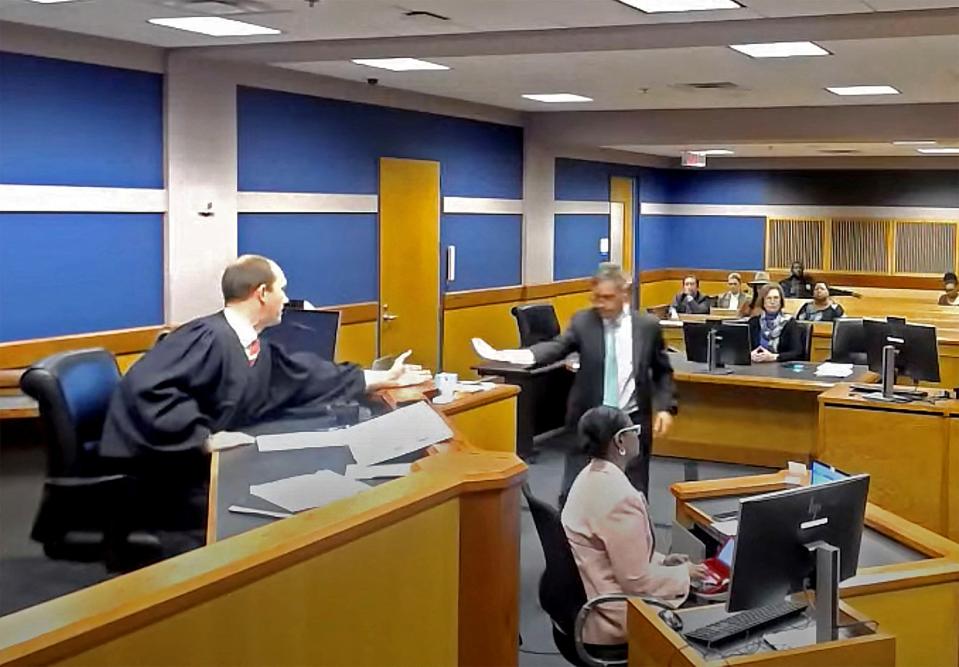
611,374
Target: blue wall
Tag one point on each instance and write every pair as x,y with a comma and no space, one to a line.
64,273
328,258
489,250
68,123
576,245
705,242
297,143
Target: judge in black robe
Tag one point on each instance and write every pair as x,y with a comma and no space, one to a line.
201,379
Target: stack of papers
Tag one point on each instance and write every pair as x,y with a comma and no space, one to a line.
396,434
831,370
281,442
304,492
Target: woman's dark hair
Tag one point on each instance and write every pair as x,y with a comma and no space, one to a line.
598,426
949,277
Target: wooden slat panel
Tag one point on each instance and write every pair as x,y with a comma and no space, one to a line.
860,246
791,240
925,247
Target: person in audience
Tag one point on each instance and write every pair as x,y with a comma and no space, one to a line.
822,308
736,295
950,285
622,363
610,533
774,334
752,306
690,300
211,375
799,284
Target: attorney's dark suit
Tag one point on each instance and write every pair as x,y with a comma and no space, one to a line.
653,374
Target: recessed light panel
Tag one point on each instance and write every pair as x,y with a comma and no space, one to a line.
558,98
914,142
939,151
400,64
50,2
215,26
862,90
780,49
656,6
713,151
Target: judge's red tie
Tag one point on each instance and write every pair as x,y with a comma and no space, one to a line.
253,351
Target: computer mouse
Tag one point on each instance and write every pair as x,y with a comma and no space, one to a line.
672,619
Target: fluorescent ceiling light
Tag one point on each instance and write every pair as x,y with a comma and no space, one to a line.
780,49
399,64
50,2
654,6
215,26
556,98
862,90
914,142
939,151
713,151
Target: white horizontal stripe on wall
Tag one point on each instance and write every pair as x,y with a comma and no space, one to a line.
71,199
783,211
304,202
581,207
482,205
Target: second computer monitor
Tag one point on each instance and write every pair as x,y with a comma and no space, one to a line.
918,356
772,557
310,331
733,349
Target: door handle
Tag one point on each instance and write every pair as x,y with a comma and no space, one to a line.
387,315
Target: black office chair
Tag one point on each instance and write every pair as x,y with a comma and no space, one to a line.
805,337
86,510
561,592
536,322
848,345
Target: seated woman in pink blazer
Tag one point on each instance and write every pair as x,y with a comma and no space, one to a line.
609,530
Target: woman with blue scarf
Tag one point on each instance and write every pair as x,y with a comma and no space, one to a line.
775,335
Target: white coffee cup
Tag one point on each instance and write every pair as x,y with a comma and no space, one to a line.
446,383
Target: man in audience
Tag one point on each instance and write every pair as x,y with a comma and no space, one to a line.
799,284
623,364
690,300
950,285
214,374
735,296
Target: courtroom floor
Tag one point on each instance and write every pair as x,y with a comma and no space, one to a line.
27,577
545,477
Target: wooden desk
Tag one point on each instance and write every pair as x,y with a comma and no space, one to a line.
653,644
764,414
911,450
908,578
422,570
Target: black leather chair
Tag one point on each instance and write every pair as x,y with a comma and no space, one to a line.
561,592
848,345
86,509
805,336
536,321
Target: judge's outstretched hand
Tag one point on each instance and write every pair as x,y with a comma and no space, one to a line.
400,374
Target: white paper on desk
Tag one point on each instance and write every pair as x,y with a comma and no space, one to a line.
396,434
474,387
728,528
280,442
832,370
304,492
357,471
229,439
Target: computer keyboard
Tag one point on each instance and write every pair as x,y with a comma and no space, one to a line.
738,624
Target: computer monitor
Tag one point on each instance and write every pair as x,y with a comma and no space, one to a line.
733,348
772,557
736,349
820,473
311,331
918,356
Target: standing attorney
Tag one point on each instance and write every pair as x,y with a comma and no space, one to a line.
622,364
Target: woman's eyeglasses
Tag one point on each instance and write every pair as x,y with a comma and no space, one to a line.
637,428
